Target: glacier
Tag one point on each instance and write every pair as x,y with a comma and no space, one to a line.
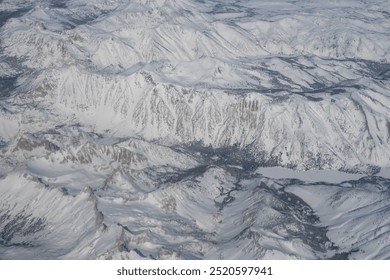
194,129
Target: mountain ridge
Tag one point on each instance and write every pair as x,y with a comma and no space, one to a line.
151,121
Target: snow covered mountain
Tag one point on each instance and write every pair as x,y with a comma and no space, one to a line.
143,129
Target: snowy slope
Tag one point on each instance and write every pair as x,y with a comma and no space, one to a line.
299,104
167,112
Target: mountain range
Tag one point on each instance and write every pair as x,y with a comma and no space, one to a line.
194,129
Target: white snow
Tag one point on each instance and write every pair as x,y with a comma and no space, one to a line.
384,172
329,176
134,129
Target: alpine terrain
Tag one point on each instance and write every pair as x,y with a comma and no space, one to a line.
194,129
